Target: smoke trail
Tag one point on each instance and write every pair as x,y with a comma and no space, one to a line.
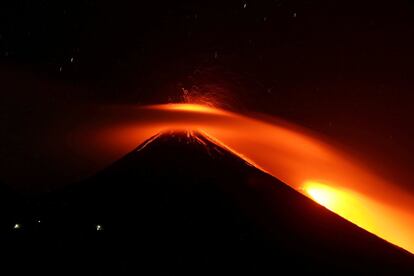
287,152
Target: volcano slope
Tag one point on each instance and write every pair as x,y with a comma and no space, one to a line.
181,205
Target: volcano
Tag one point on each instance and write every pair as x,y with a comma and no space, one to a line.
180,204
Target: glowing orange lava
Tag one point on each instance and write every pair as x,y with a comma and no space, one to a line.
289,153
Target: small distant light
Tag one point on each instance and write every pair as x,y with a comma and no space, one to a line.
71,60
17,226
39,221
244,5
99,227
295,14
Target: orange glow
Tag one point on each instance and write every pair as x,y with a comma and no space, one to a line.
365,212
324,195
289,153
189,107
347,204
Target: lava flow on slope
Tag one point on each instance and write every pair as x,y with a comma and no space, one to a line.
295,156
180,204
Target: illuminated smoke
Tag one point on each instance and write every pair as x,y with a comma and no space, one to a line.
289,153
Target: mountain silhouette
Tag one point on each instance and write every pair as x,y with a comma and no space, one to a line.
181,205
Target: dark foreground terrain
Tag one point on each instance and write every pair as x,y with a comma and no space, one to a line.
180,205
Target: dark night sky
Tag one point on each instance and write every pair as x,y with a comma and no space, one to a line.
342,68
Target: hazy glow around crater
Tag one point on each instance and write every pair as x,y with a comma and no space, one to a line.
189,108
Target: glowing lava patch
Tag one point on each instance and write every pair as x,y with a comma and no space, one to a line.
347,204
323,194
